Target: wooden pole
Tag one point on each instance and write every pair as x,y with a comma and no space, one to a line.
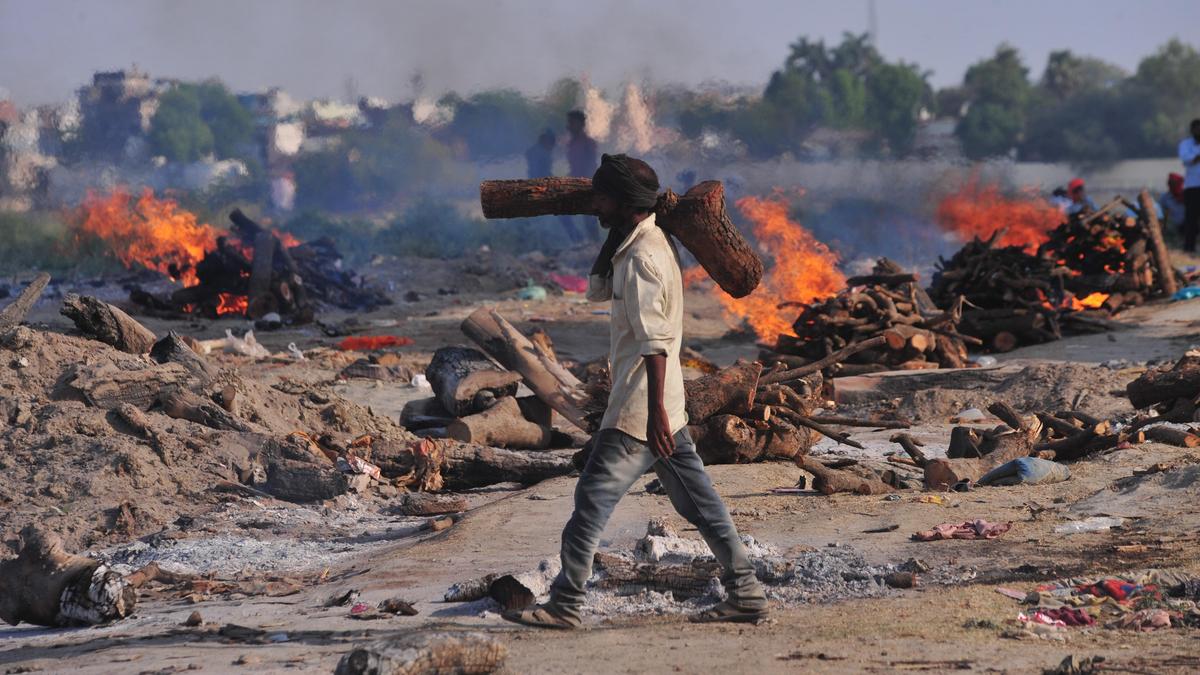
1162,259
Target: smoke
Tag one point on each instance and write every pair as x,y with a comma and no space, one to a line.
599,113
636,131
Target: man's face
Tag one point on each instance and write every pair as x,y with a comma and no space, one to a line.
607,210
1196,131
575,125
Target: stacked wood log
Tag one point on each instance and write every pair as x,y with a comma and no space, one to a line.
1172,395
887,303
1112,253
256,274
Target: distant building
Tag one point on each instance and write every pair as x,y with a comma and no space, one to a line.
117,109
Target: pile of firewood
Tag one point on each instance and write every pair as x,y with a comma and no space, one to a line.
1173,395
258,275
1111,254
886,313
1093,265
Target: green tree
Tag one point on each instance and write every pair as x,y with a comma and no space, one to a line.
1165,96
896,94
194,120
998,92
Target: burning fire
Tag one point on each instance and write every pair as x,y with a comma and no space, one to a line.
979,210
805,269
1094,301
230,303
693,276
152,232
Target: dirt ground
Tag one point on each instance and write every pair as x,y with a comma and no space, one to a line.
954,621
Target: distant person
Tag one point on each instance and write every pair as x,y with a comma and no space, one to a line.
1189,154
539,158
1080,201
1171,203
582,161
1060,200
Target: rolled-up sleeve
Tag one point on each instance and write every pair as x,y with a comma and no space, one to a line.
599,288
645,306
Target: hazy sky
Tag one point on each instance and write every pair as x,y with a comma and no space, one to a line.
314,47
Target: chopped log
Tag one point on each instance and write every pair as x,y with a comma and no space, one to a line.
260,298
46,586
688,580
698,220
467,382
1162,259
428,504
426,653
172,349
552,383
828,481
294,474
464,466
727,391
1178,437
965,442
1004,341
107,386
1005,413
941,474
424,413
725,439
911,446
816,366
185,405
803,421
502,425
16,310
840,421
101,321
535,410
1159,386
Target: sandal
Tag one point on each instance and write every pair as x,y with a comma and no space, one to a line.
542,616
729,612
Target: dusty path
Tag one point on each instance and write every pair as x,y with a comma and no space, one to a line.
917,629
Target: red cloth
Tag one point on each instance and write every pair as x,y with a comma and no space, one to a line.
1175,185
1071,616
1075,185
569,282
372,342
972,529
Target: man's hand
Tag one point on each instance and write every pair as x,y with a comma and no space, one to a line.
658,433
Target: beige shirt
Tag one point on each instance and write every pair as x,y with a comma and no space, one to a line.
646,289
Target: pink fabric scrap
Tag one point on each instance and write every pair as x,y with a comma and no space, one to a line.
1144,620
569,282
972,529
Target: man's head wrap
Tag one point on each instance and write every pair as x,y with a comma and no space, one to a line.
616,178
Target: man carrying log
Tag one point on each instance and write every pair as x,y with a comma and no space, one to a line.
645,424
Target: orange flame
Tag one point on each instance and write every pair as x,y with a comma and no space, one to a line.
1094,301
805,269
229,303
152,232
693,276
979,210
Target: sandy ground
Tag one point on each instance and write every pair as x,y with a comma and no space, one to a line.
917,629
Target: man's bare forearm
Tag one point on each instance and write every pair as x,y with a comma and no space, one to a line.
656,374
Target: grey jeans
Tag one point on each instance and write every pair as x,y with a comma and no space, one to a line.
617,460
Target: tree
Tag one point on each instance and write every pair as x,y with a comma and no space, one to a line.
998,92
1165,92
195,120
896,93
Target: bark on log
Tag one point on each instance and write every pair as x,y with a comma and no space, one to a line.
428,504
467,382
467,466
185,405
941,474
552,383
172,349
424,413
688,580
16,310
46,586
106,386
698,220
260,299
1160,386
828,481
728,391
725,439
503,426
1177,437
101,321
1162,259
834,358
426,653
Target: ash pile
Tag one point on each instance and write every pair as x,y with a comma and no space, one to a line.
665,573
261,273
